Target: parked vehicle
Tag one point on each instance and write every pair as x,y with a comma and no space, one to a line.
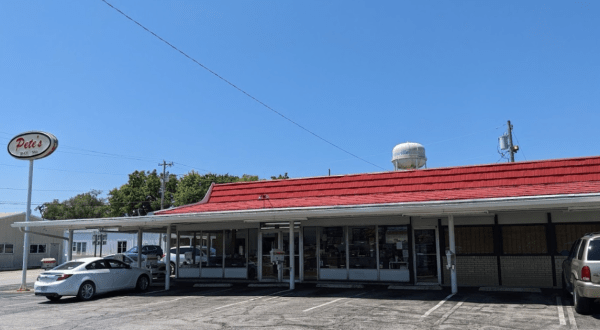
147,249
200,256
87,277
581,272
157,268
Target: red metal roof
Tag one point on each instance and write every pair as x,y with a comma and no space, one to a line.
549,177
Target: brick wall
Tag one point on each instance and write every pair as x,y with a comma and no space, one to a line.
473,271
558,260
526,271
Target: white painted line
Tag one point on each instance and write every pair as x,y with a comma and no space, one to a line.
327,303
561,312
437,306
445,316
571,317
245,301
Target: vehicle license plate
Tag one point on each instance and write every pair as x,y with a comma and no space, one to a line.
42,288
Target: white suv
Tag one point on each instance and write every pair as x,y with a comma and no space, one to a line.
200,257
581,272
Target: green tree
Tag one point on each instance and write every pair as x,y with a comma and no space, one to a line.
280,177
192,187
141,194
83,206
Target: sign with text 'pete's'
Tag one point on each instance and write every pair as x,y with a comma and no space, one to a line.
32,145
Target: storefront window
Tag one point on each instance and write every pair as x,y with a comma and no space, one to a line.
310,253
215,249
252,253
269,242
362,247
333,248
235,248
393,247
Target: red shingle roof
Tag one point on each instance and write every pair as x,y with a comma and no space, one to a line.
550,177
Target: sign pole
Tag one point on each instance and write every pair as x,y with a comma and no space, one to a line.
30,146
26,236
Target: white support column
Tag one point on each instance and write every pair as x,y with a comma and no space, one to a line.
70,248
452,247
177,261
139,246
168,256
260,255
292,257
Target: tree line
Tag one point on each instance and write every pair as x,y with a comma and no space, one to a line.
140,195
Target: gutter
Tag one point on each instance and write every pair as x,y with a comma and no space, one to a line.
454,207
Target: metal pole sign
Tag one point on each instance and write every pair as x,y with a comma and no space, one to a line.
30,146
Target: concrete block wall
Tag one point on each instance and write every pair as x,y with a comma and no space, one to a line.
526,271
473,271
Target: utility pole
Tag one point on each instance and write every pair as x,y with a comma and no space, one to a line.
512,148
163,182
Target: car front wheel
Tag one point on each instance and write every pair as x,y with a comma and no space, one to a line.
86,291
143,283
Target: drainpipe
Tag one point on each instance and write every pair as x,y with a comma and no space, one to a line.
452,247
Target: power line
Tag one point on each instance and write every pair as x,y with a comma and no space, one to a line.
239,89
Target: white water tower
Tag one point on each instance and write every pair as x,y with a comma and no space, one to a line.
408,155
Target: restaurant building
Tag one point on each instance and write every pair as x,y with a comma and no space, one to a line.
503,225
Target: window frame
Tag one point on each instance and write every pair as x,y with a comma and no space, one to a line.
445,231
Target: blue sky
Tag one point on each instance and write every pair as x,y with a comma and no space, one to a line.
363,75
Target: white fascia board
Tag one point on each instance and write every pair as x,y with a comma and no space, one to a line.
458,207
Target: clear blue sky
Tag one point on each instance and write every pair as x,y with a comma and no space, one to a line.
364,75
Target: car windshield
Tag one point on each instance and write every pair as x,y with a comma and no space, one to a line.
594,250
68,265
132,250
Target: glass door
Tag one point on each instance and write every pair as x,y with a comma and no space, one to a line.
269,242
426,255
286,249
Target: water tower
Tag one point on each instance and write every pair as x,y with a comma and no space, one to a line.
408,155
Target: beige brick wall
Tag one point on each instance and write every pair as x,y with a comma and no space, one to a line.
473,271
526,271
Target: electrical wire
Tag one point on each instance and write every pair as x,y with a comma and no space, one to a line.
238,88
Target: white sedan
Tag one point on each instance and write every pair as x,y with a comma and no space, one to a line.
86,277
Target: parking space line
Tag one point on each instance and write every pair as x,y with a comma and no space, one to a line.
571,317
437,306
331,302
561,313
245,301
445,316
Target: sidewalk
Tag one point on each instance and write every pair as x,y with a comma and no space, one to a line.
11,279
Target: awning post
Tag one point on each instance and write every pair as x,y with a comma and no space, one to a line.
70,247
168,258
139,246
452,248
292,258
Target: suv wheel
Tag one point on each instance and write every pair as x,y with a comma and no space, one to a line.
581,304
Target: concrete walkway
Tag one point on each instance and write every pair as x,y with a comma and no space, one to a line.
11,279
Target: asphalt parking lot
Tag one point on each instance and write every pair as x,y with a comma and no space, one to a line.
307,307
